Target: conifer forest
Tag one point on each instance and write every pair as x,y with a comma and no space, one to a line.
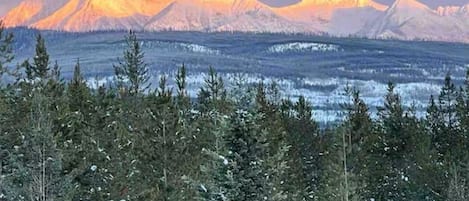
62,140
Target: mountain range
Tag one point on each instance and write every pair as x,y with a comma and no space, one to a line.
405,19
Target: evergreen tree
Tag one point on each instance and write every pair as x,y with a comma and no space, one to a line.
236,169
6,56
389,175
457,190
447,102
338,181
182,98
6,49
212,96
306,146
449,136
462,107
37,162
217,182
280,176
246,147
41,64
346,159
132,72
79,95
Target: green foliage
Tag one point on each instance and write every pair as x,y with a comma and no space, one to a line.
6,49
66,141
41,64
246,148
213,96
132,71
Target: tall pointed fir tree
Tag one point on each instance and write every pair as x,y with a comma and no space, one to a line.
216,182
182,98
462,107
41,64
211,103
345,161
189,156
338,181
276,159
306,148
162,146
448,140
239,174
79,95
431,146
6,56
6,49
78,140
389,175
37,173
213,96
246,147
132,71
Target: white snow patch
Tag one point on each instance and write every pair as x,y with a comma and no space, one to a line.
225,161
303,47
199,48
203,188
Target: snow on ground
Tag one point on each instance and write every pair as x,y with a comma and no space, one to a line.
326,102
187,47
303,47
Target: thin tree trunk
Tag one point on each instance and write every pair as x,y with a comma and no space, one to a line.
165,160
345,167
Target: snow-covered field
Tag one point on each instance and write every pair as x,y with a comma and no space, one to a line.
326,103
303,47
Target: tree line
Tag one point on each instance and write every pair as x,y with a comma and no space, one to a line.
63,140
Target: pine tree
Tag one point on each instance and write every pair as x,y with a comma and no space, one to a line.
246,147
132,72
40,67
280,175
457,190
447,102
236,169
346,160
305,148
217,181
79,95
213,95
182,98
243,92
462,107
38,163
359,136
338,181
434,121
6,56
449,138
6,49
389,174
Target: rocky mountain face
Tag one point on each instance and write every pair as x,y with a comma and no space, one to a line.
405,19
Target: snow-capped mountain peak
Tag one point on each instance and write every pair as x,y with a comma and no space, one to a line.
404,19
409,4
